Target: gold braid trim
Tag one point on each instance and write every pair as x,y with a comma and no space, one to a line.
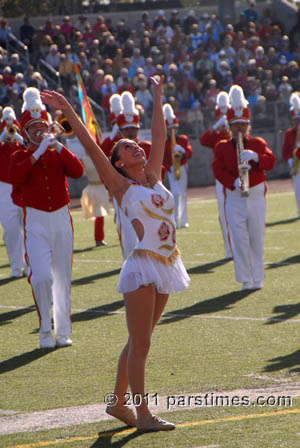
95,182
155,216
165,260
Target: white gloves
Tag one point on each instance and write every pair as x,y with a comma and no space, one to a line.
178,148
19,138
221,122
48,140
4,135
247,155
290,162
114,131
237,183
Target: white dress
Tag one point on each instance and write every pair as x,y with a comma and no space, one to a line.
95,198
155,259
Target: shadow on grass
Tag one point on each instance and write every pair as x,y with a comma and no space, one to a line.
4,266
22,360
220,303
286,312
98,311
105,438
286,262
208,267
291,362
284,221
95,277
10,315
6,280
92,248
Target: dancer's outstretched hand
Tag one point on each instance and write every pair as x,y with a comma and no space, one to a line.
54,99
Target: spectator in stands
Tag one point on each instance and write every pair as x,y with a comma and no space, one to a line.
41,82
19,85
8,77
143,96
109,50
66,72
82,22
5,30
26,33
262,116
159,20
108,88
195,38
99,25
53,57
174,19
66,28
83,61
242,24
149,69
50,28
3,90
14,100
251,13
211,93
15,64
45,45
136,60
88,35
126,85
188,21
285,89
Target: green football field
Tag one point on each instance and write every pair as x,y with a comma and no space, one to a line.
224,364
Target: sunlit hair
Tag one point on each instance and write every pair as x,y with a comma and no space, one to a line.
115,156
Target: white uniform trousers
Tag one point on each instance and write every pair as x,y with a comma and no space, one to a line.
49,250
128,237
246,223
178,189
11,218
223,223
296,185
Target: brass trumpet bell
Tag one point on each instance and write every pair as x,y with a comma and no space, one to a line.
62,120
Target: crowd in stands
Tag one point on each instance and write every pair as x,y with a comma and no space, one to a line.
198,55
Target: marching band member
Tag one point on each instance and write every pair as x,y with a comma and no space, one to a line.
210,138
11,215
245,208
40,169
291,145
177,151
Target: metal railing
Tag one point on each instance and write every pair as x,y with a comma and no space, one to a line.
14,45
50,74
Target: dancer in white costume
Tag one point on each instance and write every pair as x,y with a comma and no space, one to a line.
142,197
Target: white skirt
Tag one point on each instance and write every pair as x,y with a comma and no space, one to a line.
94,201
143,271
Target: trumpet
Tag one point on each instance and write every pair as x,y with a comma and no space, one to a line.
295,164
63,122
242,167
11,130
54,128
176,156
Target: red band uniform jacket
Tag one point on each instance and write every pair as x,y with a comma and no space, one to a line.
44,185
225,166
183,141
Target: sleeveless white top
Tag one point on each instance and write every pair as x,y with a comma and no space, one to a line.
154,209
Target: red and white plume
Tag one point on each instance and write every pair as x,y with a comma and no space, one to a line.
238,112
115,107
170,117
295,105
222,104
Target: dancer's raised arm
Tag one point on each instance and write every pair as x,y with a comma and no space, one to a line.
158,130
117,183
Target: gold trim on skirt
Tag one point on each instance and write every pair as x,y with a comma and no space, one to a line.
160,258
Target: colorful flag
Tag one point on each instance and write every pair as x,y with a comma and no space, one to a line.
86,109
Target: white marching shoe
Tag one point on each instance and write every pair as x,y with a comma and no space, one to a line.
63,341
257,285
46,339
246,286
